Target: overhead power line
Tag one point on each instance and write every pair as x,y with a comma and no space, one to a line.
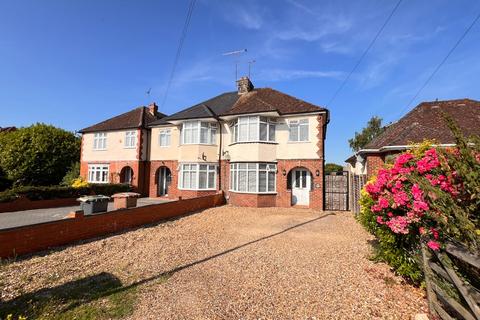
183,35
442,62
364,53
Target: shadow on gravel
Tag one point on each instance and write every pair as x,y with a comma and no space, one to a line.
72,295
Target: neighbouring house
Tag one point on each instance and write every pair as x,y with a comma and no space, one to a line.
7,129
116,150
260,146
425,121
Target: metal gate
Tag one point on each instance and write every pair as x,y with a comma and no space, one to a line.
336,191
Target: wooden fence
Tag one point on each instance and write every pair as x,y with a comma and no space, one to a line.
453,282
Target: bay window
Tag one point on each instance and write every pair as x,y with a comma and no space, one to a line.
98,173
195,176
100,141
199,132
253,129
298,130
253,177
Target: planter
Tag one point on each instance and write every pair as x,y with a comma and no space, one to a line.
125,200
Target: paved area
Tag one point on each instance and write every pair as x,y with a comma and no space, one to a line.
27,217
233,263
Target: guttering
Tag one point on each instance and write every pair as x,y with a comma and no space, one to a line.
400,147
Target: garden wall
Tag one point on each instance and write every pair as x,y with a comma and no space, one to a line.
28,239
24,203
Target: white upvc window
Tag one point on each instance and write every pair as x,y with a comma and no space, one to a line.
298,130
253,129
165,138
194,176
130,139
199,132
98,173
100,141
253,177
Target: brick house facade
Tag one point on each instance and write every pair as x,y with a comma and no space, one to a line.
261,147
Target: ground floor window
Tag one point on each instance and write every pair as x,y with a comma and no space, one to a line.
98,173
194,176
253,177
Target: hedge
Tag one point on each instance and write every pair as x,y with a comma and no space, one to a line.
56,192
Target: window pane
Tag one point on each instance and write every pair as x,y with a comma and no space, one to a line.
252,181
271,181
211,179
262,166
186,179
263,131
252,166
213,136
202,182
253,132
203,167
243,132
262,181
304,133
242,181
293,132
297,179
304,179
203,135
242,166
271,132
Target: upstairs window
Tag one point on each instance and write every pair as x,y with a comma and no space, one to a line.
130,139
100,141
253,129
198,132
165,137
298,130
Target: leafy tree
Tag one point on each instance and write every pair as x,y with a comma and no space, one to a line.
373,129
72,174
38,155
5,183
332,167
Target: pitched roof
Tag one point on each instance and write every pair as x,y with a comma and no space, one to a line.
136,118
255,101
7,129
426,122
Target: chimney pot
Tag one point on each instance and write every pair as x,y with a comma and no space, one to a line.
244,85
153,108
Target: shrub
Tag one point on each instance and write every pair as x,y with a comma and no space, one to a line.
56,192
5,183
72,174
38,155
429,195
79,183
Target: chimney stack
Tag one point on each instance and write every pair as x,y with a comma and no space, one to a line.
244,85
153,108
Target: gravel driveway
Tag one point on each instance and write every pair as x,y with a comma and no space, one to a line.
235,263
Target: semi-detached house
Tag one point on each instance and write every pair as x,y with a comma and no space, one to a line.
261,147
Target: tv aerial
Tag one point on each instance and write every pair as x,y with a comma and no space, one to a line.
236,54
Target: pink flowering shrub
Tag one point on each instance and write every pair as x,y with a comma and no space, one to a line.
428,194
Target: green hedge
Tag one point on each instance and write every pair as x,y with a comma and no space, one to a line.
56,192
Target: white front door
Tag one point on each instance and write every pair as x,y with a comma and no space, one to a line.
301,187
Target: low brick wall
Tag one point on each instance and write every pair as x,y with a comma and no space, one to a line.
28,239
23,203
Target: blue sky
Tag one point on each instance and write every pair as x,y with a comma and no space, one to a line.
75,63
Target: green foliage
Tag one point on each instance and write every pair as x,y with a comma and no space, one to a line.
372,130
56,192
332,167
402,254
72,174
38,155
5,183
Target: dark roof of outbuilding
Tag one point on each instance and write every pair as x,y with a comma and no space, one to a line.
136,118
255,101
426,121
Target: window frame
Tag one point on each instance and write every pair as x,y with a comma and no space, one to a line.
210,168
197,126
235,176
130,136
247,121
99,138
93,168
299,124
168,134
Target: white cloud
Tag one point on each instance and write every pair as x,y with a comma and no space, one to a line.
292,74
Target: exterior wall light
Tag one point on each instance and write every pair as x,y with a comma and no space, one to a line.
317,173
284,172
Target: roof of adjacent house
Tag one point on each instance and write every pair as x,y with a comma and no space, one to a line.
255,101
426,121
139,117
7,129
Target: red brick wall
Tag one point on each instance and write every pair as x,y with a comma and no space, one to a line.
374,163
252,200
173,191
27,204
28,239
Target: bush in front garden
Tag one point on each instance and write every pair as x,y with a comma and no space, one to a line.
428,194
56,192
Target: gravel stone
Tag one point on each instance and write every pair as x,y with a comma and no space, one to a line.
235,263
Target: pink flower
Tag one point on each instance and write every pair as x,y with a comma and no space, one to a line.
434,233
380,220
419,205
421,230
383,203
417,192
390,214
400,198
402,159
398,225
434,245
